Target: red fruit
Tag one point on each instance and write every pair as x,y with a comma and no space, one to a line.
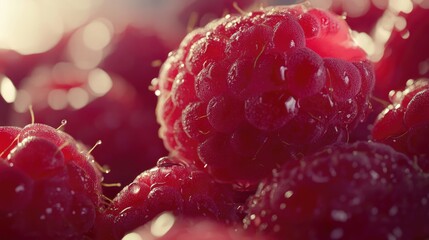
167,187
360,191
233,95
404,124
97,106
168,227
50,185
406,54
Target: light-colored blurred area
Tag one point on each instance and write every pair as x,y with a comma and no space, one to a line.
132,37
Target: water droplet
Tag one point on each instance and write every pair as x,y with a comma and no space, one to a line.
274,218
83,211
339,215
283,70
290,105
20,188
288,194
374,175
393,211
134,188
48,210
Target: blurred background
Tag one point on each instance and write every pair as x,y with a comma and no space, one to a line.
92,62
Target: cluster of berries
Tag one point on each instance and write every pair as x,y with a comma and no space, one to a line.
258,112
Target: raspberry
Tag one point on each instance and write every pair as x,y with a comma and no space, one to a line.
107,108
167,227
404,124
408,32
234,93
168,187
50,186
359,191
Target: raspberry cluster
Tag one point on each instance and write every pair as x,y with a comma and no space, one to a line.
263,113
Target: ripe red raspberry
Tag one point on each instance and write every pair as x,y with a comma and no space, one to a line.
168,187
360,191
404,124
50,185
168,227
245,93
406,54
97,106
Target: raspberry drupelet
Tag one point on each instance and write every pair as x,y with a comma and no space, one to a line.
245,93
359,191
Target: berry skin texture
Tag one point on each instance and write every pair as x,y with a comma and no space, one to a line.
184,191
168,227
404,124
234,94
50,186
360,191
